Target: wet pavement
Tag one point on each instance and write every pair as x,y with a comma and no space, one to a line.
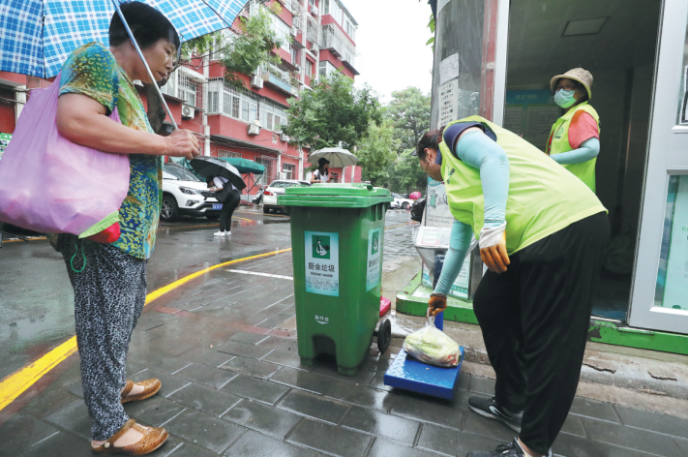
224,347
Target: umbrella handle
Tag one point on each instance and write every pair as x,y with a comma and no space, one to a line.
138,50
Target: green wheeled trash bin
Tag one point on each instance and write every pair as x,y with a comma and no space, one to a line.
337,234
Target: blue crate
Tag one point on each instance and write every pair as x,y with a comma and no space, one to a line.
410,374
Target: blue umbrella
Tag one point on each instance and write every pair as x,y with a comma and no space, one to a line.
37,36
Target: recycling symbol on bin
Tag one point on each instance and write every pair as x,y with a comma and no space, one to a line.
321,247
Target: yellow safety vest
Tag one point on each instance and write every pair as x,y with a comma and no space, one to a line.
543,197
560,144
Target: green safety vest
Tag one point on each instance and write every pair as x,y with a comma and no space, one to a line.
543,197
560,144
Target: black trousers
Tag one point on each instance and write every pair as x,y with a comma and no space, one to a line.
230,204
535,318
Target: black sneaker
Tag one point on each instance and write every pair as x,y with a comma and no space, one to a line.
510,449
506,450
488,408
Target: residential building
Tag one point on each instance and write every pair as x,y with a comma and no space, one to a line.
317,39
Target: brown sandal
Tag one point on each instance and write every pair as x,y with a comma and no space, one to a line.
150,387
152,439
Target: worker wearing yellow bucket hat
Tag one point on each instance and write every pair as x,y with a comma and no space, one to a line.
574,140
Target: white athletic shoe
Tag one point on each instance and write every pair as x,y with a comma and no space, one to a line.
220,234
228,233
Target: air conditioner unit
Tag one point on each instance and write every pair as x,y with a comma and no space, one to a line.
188,112
297,68
314,10
284,137
314,48
257,82
295,7
294,31
253,129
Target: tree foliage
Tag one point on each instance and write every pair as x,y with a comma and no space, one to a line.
377,152
405,174
333,111
410,112
250,47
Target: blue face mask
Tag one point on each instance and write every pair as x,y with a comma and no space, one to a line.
564,98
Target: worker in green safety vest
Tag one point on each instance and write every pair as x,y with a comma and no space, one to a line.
542,234
574,140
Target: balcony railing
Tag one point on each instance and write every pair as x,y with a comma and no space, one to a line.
338,44
279,78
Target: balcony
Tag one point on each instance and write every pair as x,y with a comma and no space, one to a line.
279,79
334,40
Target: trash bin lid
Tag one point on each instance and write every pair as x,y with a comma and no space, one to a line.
338,195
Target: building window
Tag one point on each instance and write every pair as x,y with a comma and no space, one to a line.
283,32
309,68
244,110
225,153
288,170
187,90
326,69
213,101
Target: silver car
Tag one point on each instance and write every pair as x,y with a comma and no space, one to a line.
276,189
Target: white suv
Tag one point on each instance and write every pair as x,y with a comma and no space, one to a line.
275,189
400,202
184,194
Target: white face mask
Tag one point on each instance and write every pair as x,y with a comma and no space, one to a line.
564,98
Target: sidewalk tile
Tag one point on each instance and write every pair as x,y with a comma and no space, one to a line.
683,445
208,357
314,406
653,421
281,343
594,409
370,421
189,450
383,447
643,440
170,383
262,418
154,411
171,346
21,432
432,410
205,399
171,444
330,439
328,369
481,426
303,380
275,319
248,338
378,383
256,444
250,366
49,402
257,389
464,382
441,440
473,443
215,434
568,445
285,358
210,376
244,349
573,425
173,365
379,363
362,395
74,418
61,444
483,385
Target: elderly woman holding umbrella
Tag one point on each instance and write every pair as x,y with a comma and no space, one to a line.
110,284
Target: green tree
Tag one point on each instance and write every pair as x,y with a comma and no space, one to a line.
410,113
405,174
377,152
333,111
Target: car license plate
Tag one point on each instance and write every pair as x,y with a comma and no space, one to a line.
217,206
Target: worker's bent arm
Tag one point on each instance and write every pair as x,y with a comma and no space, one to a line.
459,242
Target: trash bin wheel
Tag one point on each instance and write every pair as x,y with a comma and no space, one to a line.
384,336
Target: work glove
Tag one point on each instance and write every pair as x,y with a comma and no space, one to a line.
437,303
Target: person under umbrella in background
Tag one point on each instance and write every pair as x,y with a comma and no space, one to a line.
230,197
109,280
322,173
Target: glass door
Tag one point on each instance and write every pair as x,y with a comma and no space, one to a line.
660,289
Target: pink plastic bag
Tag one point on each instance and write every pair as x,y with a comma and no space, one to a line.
49,184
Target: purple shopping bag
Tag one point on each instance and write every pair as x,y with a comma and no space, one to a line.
49,184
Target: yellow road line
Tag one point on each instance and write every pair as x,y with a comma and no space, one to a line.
20,240
12,386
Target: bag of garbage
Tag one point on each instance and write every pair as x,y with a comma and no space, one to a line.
432,346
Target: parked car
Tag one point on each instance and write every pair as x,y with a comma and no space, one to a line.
275,189
400,202
183,193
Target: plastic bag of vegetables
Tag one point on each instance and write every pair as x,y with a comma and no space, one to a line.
432,346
